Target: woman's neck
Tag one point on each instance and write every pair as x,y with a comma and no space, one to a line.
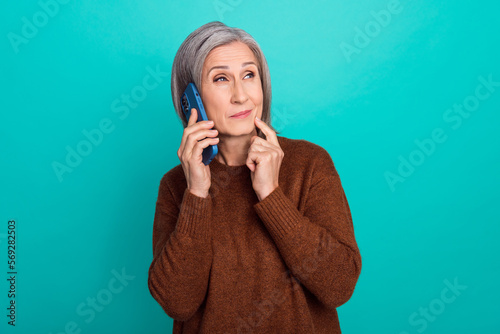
233,150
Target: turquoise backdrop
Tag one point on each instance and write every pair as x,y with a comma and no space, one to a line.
405,96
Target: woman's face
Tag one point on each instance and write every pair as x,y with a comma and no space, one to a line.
230,85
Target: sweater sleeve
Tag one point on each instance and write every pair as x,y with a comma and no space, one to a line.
182,253
317,245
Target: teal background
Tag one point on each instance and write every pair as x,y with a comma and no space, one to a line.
367,110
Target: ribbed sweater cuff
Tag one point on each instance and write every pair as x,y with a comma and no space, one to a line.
278,213
195,216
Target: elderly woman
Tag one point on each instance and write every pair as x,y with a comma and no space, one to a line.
260,240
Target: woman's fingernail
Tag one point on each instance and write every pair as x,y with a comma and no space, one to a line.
258,118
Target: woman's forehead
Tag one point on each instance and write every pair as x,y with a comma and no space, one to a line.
234,53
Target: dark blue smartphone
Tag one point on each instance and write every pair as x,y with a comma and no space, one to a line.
192,99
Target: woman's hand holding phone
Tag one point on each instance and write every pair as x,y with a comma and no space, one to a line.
196,136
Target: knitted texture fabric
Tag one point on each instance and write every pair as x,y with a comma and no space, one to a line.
229,263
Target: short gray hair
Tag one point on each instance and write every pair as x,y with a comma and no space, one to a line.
189,60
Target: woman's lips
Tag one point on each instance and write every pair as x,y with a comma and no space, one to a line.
242,114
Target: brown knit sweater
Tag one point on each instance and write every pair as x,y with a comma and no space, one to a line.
231,264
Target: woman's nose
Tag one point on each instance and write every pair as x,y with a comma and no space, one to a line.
239,95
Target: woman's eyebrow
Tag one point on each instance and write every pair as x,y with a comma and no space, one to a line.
248,63
223,67
218,67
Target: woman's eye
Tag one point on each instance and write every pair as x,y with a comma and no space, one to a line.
219,79
250,75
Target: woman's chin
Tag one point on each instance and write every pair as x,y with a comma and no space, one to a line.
241,130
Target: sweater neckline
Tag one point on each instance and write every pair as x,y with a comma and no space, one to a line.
220,167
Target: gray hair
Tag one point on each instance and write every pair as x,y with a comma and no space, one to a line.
189,60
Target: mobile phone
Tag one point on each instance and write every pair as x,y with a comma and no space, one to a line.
192,99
